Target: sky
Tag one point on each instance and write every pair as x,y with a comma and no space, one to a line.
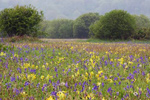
71,9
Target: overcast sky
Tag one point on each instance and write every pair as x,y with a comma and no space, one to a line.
71,9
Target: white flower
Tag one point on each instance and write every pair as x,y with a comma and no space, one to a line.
140,65
135,94
125,63
62,84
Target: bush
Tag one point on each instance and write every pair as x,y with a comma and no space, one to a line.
82,23
23,39
58,28
117,24
142,34
20,20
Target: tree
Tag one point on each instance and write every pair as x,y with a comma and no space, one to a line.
117,24
59,28
142,27
82,23
20,20
142,21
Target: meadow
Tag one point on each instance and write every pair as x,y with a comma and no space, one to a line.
73,70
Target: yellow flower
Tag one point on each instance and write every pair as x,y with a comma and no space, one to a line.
61,95
2,54
71,48
110,80
86,74
42,77
103,98
47,77
50,98
26,65
130,62
36,67
100,72
31,77
23,94
90,97
32,66
98,83
43,66
15,55
91,73
47,64
78,92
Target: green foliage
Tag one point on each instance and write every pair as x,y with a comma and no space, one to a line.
22,39
82,23
142,27
4,47
20,20
142,34
142,21
117,24
60,28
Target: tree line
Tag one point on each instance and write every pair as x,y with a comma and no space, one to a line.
116,24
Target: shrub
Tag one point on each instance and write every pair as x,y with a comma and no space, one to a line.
82,23
20,20
117,24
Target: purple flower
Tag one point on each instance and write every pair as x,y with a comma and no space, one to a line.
19,70
53,93
75,85
26,83
58,81
135,72
21,89
12,79
105,63
8,85
37,85
117,93
15,90
118,74
102,84
133,67
21,59
66,84
50,81
0,75
115,78
26,59
80,83
109,91
47,68
31,98
119,83
55,69
143,73
127,86
83,87
127,95
95,87
43,88
131,86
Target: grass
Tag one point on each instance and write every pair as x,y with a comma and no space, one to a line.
73,70
114,41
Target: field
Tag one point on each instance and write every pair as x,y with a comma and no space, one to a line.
73,70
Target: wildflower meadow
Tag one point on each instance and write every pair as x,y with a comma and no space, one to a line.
70,70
